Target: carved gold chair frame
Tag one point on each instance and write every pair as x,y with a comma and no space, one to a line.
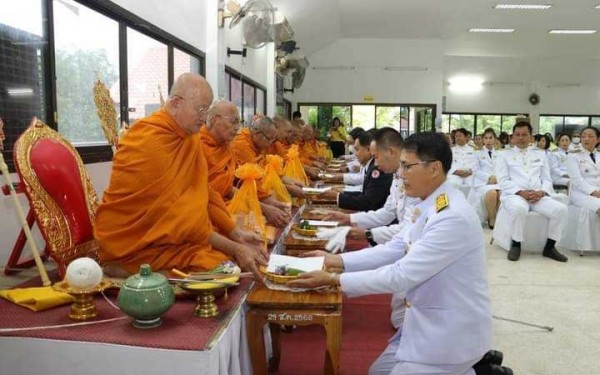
50,217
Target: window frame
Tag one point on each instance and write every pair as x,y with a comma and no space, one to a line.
245,80
476,114
125,19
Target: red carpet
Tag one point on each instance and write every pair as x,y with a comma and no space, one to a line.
366,330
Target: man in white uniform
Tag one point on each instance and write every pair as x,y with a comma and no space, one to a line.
524,178
463,162
448,324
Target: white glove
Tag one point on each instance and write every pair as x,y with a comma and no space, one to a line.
336,238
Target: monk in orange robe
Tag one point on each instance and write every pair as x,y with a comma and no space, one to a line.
159,208
250,146
221,127
281,146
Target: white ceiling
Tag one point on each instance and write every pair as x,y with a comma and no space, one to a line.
318,23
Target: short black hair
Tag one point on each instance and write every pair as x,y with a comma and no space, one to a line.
365,139
547,141
595,129
296,115
430,146
523,124
464,131
489,131
356,132
388,137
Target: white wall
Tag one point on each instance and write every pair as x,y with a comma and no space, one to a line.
369,57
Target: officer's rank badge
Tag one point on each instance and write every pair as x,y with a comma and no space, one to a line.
441,202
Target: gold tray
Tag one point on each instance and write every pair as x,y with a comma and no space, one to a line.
277,279
305,232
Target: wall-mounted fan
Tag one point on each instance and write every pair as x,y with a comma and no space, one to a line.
256,17
294,64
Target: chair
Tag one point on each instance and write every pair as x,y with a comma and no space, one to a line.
59,192
582,232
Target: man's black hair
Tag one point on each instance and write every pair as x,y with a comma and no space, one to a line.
356,132
430,146
365,139
388,137
523,124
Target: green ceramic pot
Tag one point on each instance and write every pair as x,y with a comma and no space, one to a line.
145,297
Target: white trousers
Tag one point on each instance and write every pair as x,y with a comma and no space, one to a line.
386,364
517,208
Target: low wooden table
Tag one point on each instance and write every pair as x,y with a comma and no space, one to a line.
287,308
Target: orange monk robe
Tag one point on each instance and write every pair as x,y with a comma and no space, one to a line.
279,148
221,164
158,207
245,152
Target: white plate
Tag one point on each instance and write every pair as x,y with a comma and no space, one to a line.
322,223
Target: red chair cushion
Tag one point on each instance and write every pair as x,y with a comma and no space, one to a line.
56,168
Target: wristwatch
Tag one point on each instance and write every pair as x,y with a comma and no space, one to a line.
369,236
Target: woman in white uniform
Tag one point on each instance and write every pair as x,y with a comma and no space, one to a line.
584,169
558,161
484,182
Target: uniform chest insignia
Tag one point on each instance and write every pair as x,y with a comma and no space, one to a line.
375,173
441,202
416,212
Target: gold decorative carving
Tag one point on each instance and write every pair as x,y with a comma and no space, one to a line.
50,217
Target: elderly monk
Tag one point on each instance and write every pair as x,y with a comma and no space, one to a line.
222,125
281,146
159,208
250,146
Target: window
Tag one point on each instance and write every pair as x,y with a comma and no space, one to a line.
595,122
261,102
23,73
478,122
148,79
402,117
363,116
183,62
248,103
248,96
554,124
86,42
236,93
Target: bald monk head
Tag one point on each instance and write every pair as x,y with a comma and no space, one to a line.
295,134
284,127
188,102
223,121
308,132
264,133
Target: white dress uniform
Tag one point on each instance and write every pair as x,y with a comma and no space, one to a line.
354,181
448,324
396,207
463,157
557,159
484,167
528,170
585,179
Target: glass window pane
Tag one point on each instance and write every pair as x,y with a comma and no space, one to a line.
573,123
507,123
227,83
462,121
363,116
550,124
87,43
596,121
446,123
489,121
183,62
260,101
404,121
148,74
422,118
236,93
309,113
387,117
22,73
248,103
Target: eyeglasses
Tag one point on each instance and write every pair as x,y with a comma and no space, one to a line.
269,139
407,167
234,119
200,110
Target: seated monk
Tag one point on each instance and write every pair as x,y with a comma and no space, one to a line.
222,125
310,148
281,147
249,146
158,208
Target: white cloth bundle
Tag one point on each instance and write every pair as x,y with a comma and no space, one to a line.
336,238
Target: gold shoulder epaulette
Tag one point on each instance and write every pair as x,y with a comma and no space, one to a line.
441,202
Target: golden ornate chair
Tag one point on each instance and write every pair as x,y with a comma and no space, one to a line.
59,191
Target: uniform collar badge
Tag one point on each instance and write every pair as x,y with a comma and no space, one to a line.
441,202
375,173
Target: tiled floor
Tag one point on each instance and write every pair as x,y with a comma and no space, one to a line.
536,290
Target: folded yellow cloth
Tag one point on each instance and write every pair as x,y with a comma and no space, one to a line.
36,299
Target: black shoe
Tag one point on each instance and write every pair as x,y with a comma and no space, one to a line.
484,368
555,254
494,357
514,254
